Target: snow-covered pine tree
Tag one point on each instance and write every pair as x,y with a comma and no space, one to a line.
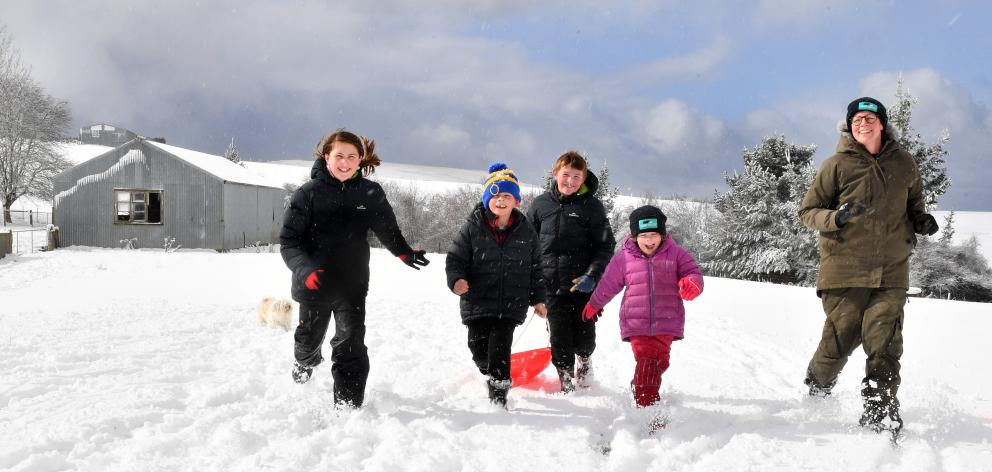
947,230
606,193
549,180
929,157
231,153
758,235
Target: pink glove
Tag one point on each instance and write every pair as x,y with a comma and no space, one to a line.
689,288
591,313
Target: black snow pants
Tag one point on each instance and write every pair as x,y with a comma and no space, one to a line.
349,356
489,339
570,336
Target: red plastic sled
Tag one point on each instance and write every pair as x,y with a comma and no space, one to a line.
526,365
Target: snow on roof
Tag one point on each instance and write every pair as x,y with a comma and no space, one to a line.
217,166
78,153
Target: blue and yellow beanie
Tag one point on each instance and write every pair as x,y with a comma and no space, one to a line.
500,179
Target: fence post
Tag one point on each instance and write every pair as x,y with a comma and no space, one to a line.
53,238
6,244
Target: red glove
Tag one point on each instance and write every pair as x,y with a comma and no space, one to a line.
591,313
313,280
689,288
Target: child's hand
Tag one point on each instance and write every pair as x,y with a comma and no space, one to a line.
591,313
583,284
461,287
541,310
689,288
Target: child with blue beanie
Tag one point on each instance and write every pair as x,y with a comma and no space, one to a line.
494,266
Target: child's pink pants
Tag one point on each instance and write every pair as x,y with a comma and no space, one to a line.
651,354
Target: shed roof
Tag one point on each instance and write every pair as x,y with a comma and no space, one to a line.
217,166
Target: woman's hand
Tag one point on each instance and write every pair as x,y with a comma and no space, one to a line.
461,287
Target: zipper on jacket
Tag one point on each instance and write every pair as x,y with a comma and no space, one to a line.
651,296
557,281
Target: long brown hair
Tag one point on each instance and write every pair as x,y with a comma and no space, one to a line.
365,145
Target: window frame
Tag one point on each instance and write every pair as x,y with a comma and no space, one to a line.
131,204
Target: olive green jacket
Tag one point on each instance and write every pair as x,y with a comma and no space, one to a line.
871,250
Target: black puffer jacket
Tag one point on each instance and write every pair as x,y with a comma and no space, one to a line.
575,235
504,279
326,227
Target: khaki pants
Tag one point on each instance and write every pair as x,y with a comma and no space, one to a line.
871,317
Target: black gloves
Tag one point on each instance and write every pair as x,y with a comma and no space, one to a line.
847,211
925,224
414,259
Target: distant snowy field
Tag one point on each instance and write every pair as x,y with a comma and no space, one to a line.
144,360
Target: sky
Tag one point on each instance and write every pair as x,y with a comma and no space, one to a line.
668,94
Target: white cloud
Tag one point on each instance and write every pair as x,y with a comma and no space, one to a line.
672,126
667,69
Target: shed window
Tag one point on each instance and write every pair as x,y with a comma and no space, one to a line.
138,206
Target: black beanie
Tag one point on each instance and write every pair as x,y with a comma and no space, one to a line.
647,218
867,104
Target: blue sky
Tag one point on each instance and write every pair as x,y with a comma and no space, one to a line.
667,92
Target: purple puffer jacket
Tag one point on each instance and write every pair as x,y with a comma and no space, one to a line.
651,305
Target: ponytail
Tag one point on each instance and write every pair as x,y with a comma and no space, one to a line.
370,160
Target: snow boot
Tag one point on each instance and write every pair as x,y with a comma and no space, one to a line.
498,390
815,389
301,373
881,411
566,378
583,371
878,418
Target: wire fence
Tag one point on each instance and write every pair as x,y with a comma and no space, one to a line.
27,241
27,218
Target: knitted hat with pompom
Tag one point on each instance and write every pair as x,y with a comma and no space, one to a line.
500,180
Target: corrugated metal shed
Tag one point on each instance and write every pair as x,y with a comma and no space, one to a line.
145,192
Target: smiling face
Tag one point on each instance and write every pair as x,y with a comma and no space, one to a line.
502,204
867,130
569,180
342,160
649,242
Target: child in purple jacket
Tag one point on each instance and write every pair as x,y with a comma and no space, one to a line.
658,274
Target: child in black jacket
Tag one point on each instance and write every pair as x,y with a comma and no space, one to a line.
494,268
324,242
576,245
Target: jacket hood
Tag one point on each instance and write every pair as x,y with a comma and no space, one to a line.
847,143
589,187
478,215
319,171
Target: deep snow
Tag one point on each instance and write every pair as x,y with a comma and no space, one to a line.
146,360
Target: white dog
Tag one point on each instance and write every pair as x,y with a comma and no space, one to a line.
273,312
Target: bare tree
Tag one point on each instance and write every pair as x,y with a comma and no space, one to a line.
31,126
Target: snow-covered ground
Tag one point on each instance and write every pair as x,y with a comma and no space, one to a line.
146,360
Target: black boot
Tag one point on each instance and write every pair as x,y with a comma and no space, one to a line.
498,390
567,385
583,371
817,390
301,373
881,411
